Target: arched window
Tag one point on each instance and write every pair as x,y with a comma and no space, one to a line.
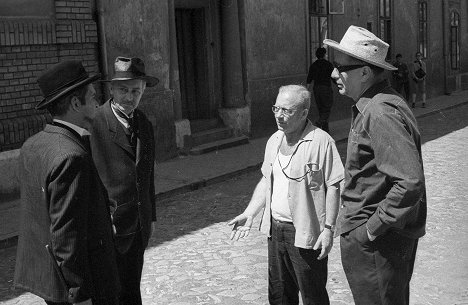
422,27
454,40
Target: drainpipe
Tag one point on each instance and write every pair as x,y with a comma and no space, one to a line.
444,48
102,48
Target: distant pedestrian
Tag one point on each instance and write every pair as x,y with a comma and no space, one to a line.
123,149
384,197
418,84
299,195
319,75
401,77
65,250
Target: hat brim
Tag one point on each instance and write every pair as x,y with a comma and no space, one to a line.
335,45
47,101
150,80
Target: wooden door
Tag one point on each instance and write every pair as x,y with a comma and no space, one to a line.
192,51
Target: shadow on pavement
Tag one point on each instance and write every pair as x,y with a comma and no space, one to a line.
190,212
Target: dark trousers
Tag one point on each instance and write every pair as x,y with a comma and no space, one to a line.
130,266
403,88
292,269
324,98
379,271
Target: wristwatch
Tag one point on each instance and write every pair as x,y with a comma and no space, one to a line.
330,227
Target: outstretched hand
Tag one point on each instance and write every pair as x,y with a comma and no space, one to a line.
242,225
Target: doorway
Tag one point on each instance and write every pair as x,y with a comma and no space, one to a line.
192,53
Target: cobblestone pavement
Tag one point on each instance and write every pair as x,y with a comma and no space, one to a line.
192,261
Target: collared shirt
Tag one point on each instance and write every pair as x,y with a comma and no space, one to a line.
81,131
317,160
122,121
384,177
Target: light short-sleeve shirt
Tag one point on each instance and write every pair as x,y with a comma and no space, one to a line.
317,161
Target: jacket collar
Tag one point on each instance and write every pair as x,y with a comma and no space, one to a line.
367,96
66,132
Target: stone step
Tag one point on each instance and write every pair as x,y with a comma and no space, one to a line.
210,135
218,145
202,125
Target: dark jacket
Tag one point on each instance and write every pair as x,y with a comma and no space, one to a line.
64,205
128,176
385,186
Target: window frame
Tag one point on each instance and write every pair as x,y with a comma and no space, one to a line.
454,39
385,25
422,28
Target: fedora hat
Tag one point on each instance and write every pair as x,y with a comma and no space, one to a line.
359,43
132,68
61,79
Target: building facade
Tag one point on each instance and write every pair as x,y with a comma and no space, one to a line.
217,60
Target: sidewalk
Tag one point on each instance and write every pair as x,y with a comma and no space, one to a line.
189,173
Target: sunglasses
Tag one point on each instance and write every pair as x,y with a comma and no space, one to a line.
344,68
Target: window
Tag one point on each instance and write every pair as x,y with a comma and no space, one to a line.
385,23
422,27
317,7
27,8
318,23
454,40
318,32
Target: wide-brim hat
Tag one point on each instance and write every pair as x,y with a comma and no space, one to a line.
131,68
61,79
359,43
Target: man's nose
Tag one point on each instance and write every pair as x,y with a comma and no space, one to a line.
335,74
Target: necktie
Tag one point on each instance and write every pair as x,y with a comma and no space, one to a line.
132,127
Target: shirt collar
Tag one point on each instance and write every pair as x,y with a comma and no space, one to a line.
307,133
122,121
81,131
370,93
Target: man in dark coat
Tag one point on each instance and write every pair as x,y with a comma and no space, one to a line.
65,249
123,150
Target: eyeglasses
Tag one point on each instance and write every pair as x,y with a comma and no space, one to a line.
286,111
344,68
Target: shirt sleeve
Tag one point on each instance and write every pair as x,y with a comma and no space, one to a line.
333,170
398,159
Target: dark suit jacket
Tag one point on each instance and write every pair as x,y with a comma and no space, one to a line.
64,204
128,177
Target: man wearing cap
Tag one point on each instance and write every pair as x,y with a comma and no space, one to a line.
65,249
123,151
384,197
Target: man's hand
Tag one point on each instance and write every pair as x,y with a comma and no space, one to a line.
87,302
242,224
325,241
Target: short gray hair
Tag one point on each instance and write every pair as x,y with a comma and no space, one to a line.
301,92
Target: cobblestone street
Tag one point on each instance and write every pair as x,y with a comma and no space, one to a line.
192,261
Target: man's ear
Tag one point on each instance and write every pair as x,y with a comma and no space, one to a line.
366,73
75,103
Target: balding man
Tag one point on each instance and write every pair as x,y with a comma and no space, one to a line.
299,192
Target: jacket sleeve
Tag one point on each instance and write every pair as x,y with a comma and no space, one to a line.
68,192
397,157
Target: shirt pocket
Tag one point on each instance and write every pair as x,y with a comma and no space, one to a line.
315,176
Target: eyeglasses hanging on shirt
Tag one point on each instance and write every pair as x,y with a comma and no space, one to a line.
297,179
